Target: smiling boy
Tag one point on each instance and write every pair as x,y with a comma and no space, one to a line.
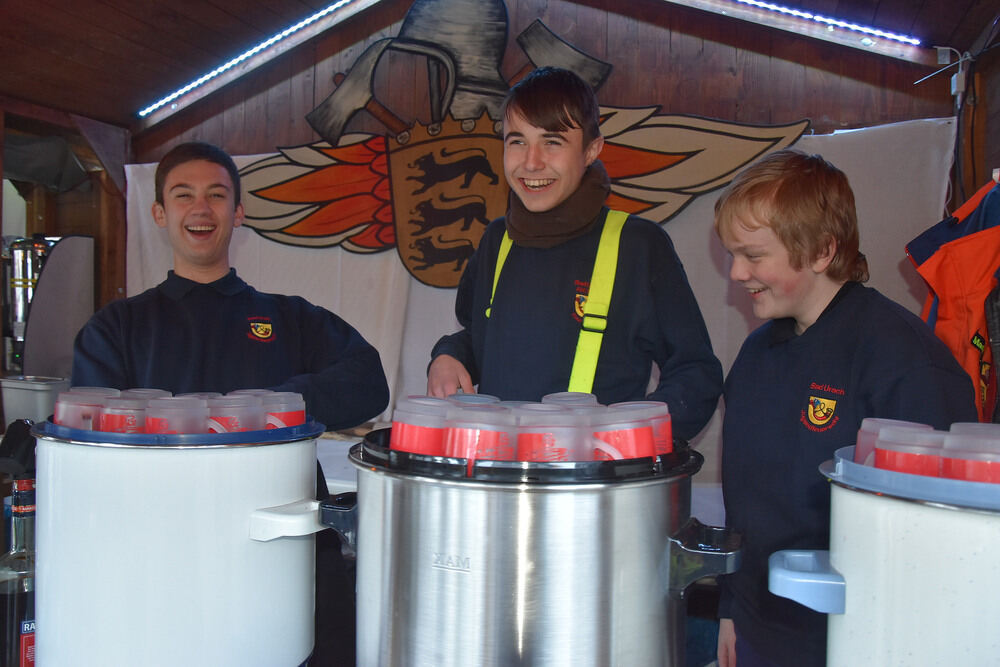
205,329
523,299
832,353
197,204
201,328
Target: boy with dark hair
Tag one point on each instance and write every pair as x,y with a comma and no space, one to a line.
563,293
204,329
832,353
189,152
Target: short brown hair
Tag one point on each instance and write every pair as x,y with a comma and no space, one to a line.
557,100
189,152
806,201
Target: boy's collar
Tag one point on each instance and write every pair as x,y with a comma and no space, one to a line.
783,329
176,287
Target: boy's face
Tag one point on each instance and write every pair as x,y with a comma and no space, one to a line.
761,263
544,168
199,213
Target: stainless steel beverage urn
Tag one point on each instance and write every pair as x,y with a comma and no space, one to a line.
522,563
27,257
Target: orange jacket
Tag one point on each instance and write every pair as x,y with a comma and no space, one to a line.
959,258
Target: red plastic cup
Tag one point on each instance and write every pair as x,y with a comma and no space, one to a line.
570,398
548,432
475,432
658,414
909,450
418,425
233,414
79,410
473,399
123,415
108,392
283,409
145,393
973,456
869,433
623,433
202,395
982,429
177,414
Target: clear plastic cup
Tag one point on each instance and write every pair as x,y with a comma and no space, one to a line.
659,418
177,414
418,425
476,432
570,398
987,429
623,433
79,410
283,409
550,432
910,450
123,415
971,456
234,414
473,399
203,395
100,391
870,426
586,416
252,392
145,392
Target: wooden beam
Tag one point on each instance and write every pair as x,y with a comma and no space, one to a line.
110,237
111,144
16,107
2,131
807,28
254,62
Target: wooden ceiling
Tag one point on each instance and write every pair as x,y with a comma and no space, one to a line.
105,59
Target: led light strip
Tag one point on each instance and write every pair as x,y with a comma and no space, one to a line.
244,56
825,20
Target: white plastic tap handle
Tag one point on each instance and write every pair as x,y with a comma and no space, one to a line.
807,578
291,520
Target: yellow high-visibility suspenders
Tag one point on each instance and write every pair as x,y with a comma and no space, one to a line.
595,308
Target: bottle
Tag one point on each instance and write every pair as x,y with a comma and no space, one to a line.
17,581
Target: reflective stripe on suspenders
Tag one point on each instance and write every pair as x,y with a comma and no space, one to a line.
595,309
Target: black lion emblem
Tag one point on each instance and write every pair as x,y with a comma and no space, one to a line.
435,172
431,254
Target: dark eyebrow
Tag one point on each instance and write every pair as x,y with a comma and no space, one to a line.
548,135
188,186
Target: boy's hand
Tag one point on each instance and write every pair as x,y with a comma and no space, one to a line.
727,643
446,376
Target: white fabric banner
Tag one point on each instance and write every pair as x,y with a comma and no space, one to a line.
899,174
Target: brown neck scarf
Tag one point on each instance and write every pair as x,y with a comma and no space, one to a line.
575,216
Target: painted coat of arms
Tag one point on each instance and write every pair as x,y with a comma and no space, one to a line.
430,189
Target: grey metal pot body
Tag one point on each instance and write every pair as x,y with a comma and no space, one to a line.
464,571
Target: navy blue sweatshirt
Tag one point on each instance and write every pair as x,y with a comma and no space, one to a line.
791,401
185,336
526,348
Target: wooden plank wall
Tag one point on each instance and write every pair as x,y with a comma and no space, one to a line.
688,61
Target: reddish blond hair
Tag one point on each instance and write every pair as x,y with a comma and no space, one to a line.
806,202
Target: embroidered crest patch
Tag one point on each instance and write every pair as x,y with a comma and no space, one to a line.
261,329
820,410
580,300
